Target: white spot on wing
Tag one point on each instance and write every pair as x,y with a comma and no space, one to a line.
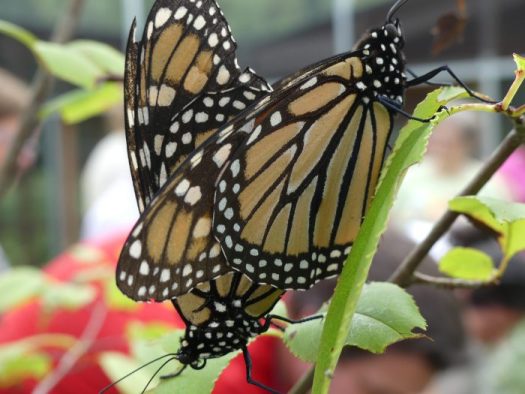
162,17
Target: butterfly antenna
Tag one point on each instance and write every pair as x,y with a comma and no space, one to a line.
134,371
157,372
395,8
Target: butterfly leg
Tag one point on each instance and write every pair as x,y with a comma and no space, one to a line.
435,84
249,379
395,107
268,321
431,74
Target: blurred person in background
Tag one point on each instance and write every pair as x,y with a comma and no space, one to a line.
14,99
406,367
449,165
108,198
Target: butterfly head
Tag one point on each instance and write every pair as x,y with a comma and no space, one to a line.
215,339
384,62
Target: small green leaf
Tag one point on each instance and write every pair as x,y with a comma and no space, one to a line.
280,309
520,61
18,33
385,314
66,295
117,365
68,64
18,286
468,264
137,331
115,300
104,56
505,218
515,241
16,368
193,381
79,105
473,208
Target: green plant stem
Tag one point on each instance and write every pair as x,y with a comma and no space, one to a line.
42,86
449,283
518,81
404,274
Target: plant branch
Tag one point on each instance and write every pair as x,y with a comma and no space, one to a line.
405,276
513,141
75,353
449,283
41,88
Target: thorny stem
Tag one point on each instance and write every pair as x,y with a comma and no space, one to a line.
42,86
404,274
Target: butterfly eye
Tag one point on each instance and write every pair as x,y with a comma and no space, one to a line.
392,30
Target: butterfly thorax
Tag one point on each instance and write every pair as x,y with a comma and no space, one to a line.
222,316
218,337
384,64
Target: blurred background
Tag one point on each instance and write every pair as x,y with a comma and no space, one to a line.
75,182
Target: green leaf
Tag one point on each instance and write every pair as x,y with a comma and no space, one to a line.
468,264
115,300
520,61
505,218
409,149
57,295
104,56
117,365
68,64
193,381
18,33
79,105
16,365
385,314
19,286
515,240
473,208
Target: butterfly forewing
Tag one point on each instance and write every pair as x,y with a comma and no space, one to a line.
292,198
182,83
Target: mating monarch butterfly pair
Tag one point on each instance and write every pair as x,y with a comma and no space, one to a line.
245,191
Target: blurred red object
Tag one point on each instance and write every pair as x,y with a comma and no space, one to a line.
86,376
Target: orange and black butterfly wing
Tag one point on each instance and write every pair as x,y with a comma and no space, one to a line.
182,82
173,247
292,198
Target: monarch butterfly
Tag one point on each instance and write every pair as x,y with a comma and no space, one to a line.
270,201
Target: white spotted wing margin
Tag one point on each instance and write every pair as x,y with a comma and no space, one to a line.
174,246
182,83
291,199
